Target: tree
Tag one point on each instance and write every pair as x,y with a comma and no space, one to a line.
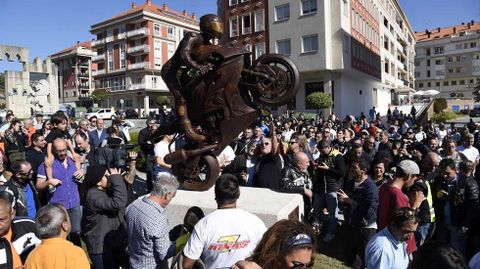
162,101
319,100
98,95
2,81
476,91
439,105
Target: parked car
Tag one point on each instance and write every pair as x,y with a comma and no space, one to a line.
474,112
131,114
102,113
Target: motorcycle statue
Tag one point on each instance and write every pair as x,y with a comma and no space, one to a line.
220,105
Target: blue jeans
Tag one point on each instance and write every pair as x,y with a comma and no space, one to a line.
329,201
75,215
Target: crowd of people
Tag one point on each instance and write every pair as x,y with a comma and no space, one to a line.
408,195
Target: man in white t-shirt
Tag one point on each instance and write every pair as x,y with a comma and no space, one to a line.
161,150
468,150
226,235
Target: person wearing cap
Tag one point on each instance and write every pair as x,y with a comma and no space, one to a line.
391,196
103,214
327,180
388,248
455,198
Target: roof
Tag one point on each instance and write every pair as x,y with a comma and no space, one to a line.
149,6
85,44
446,31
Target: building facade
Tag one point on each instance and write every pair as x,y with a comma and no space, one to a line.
448,60
131,50
338,47
245,22
75,69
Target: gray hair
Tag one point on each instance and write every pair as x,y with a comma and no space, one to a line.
49,220
164,183
86,121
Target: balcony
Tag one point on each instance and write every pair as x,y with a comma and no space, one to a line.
98,42
98,72
137,86
138,32
109,39
83,74
140,65
98,58
138,50
122,35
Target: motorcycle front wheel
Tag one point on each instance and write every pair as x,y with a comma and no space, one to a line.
281,82
209,170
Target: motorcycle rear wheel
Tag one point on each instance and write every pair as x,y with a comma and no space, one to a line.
285,80
209,172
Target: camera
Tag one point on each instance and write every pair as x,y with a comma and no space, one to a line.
114,155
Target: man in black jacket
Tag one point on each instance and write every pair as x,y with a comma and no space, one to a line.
18,233
147,147
328,179
21,187
361,199
295,179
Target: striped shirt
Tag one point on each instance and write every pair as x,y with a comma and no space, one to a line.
148,234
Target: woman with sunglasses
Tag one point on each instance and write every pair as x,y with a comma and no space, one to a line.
287,244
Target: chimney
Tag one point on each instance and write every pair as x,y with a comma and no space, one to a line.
185,13
134,5
454,30
194,16
472,22
438,29
426,31
149,2
165,7
468,25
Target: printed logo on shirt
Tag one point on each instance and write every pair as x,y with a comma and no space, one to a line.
228,243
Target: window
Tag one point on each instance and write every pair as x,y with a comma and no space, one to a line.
440,72
473,44
309,43
122,56
450,70
439,62
461,82
157,45
156,29
259,49
282,12
110,58
170,32
417,63
346,44
454,82
345,8
427,51
428,62
309,6
420,85
283,46
233,22
458,46
246,24
233,2
438,50
463,58
417,74
429,84
158,61
449,59
428,73
437,84
171,49
259,21
445,83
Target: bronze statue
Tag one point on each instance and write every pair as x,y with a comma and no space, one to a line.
213,87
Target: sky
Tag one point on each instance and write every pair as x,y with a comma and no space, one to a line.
48,26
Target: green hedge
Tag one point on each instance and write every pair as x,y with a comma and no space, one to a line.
444,116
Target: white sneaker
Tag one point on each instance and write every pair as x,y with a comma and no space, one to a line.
328,237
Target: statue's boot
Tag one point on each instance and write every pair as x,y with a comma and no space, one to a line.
185,123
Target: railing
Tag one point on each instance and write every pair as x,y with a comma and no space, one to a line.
98,42
141,31
141,48
122,35
98,72
109,39
99,57
83,74
140,65
137,86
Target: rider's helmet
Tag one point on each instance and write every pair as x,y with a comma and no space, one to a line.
211,25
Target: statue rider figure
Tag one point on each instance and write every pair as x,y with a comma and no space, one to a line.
181,62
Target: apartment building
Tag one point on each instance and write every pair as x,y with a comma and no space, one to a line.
131,50
339,48
448,60
75,69
245,22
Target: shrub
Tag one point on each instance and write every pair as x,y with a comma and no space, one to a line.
162,101
319,100
439,105
140,165
443,116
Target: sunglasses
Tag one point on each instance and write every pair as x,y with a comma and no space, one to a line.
300,265
293,142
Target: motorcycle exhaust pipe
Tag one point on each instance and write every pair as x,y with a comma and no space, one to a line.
182,155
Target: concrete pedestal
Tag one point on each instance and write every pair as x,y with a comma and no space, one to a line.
268,205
